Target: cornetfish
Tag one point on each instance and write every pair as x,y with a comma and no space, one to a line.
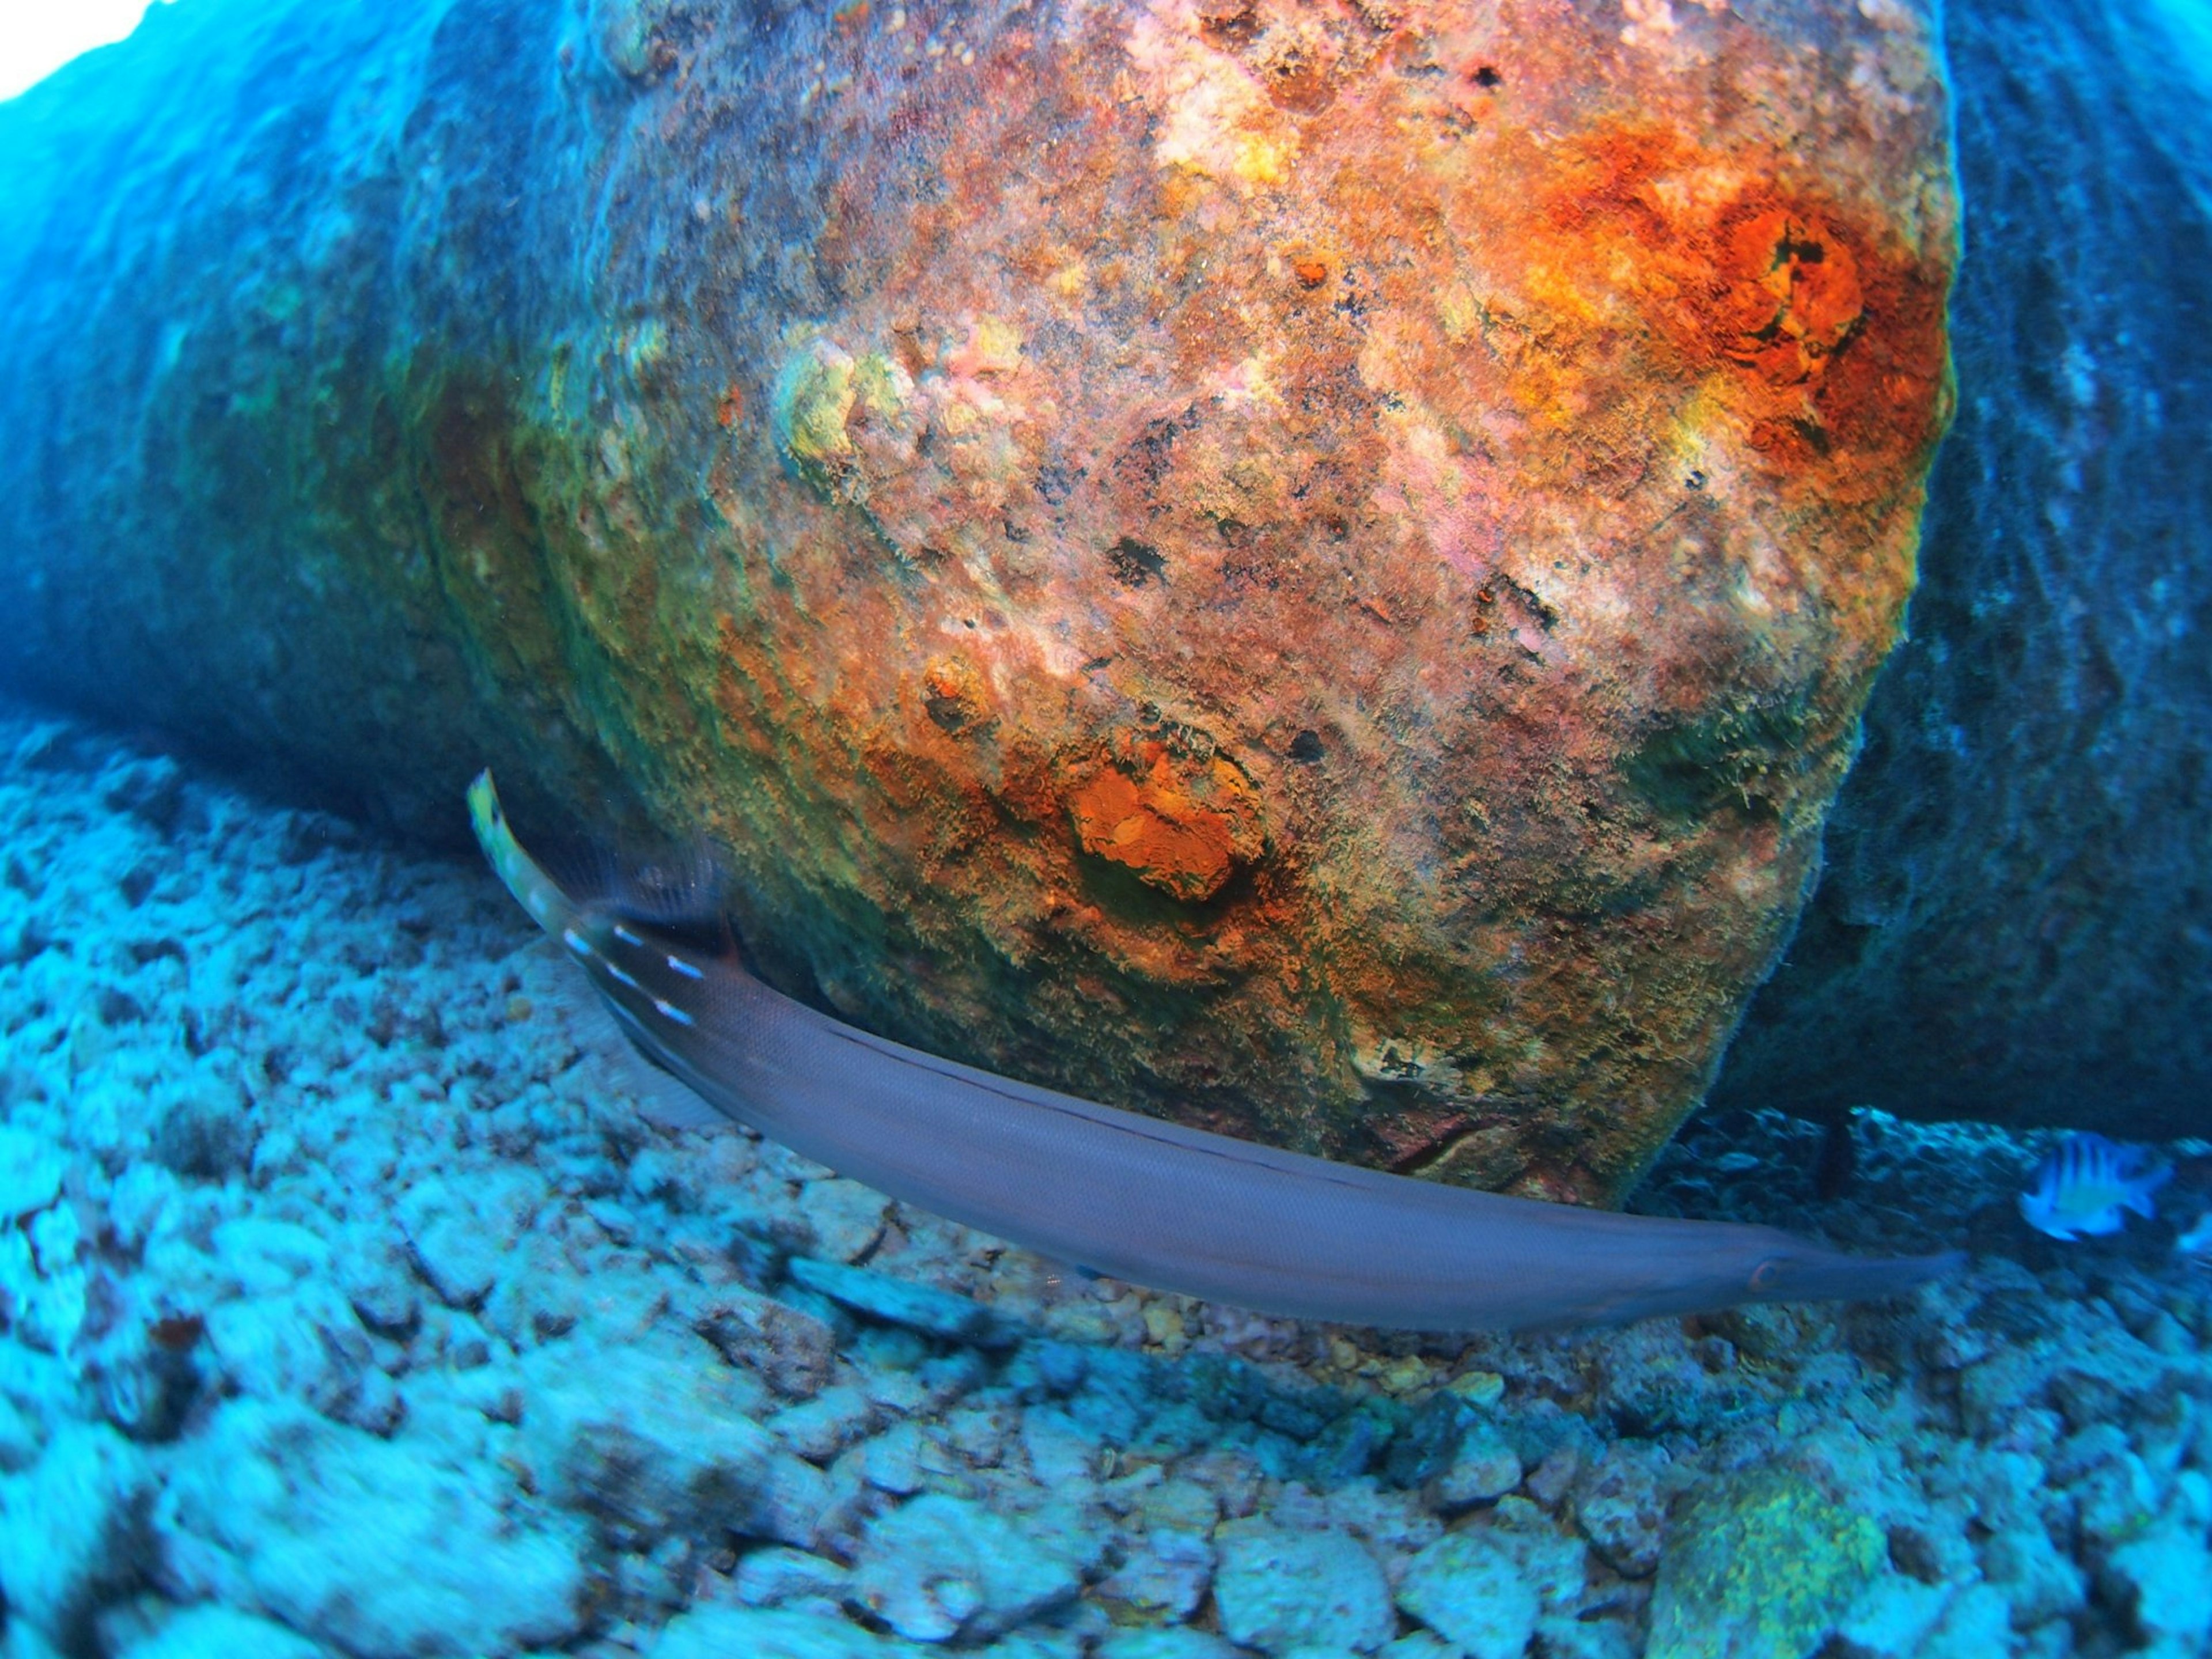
1143,1199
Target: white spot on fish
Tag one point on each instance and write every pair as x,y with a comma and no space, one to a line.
576,941
616,973
685,969
626,936
669,1010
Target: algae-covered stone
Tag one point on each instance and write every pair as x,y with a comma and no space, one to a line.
1470,1591
1177,1642
820,391
728,1632
213,1631
1277,1589
1485,1467
1762,1566
30,1173
901,1302
939,1567
382,1547
66,1526
2165,1579
647,1440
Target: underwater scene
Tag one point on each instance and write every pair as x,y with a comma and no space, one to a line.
1107,830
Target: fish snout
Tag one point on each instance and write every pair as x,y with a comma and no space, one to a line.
1798,1274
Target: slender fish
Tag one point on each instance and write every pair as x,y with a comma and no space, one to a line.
1147,1200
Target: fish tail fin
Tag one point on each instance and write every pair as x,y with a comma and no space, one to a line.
656,989
536,892
2139,1197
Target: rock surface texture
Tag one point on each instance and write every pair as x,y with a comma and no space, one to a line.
2014,923
1309,568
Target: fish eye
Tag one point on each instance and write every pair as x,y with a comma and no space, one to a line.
1767,1276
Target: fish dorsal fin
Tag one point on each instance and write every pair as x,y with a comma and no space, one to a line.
680,890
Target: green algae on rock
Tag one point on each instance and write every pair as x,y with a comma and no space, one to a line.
1309,569
1762,1566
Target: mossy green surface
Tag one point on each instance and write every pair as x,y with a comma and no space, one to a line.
816,392
1761,1567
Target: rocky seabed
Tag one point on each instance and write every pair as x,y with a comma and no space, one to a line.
358,1297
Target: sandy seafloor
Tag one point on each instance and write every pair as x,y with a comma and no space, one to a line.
349,1305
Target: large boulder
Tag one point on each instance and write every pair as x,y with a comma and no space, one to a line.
1311,567
2016,920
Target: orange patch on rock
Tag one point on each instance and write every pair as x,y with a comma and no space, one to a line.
1178,823
952,693
1827,333
1796,298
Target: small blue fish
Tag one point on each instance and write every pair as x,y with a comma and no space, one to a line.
2195,1246
2084,1186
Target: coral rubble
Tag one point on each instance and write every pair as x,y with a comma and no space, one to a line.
707,1399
